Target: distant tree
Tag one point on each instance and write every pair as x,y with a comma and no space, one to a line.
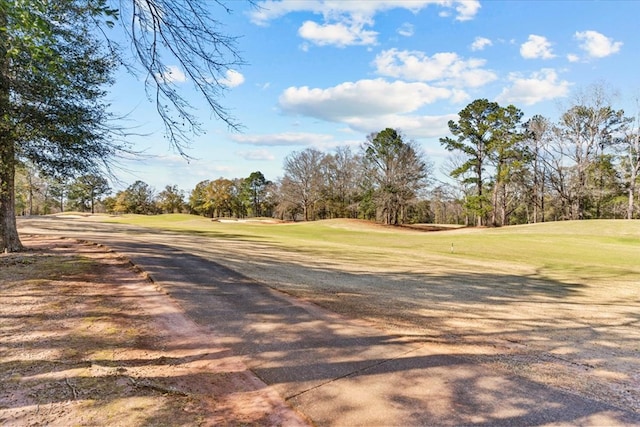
238,202
255,189
446,205
86,190
199,200
367,208
509,157
29,186
474,134
537,134
584,134
343,175
220,193
58,190
110,204
138,198
35,192
396,170
270,200
628,147
486,134
302,181
461,188
171,199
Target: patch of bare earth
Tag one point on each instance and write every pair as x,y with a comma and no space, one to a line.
87,340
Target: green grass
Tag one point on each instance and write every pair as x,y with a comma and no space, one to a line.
586,250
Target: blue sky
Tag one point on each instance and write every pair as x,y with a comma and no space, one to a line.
327,73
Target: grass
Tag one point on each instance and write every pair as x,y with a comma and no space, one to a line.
585,250
41,269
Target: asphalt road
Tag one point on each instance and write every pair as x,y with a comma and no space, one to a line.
335,370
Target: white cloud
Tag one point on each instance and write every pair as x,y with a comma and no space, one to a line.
284,139
459,96
173,74
232,79
537,47
572,57
414,125
269,10
340,34
347,23
446,68
367,106
406,30
543,85
597,45
364,98
467,9
480,43
254,155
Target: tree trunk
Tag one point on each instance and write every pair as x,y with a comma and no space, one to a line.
542,219
634,163
9,239
631,202
504,208
494,203
480,213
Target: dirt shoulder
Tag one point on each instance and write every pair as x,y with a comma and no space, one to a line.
85,339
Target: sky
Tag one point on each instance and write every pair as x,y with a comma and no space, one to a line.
324,74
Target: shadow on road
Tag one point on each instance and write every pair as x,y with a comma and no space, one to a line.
320,360
318,353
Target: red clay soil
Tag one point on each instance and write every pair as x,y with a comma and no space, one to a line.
85,339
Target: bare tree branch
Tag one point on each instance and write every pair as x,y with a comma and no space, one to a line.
185,34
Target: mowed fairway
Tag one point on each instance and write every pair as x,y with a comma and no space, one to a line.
558,303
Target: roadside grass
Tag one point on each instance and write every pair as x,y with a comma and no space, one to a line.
34,267
568,251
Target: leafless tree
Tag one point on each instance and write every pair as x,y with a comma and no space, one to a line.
302,182
629,148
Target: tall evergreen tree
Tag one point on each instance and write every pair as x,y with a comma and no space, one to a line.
508,156
254,189
475,135
52,78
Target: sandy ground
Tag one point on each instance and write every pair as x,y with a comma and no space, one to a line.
85,339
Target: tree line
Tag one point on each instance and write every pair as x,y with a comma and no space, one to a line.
585,165
383,181
504,171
